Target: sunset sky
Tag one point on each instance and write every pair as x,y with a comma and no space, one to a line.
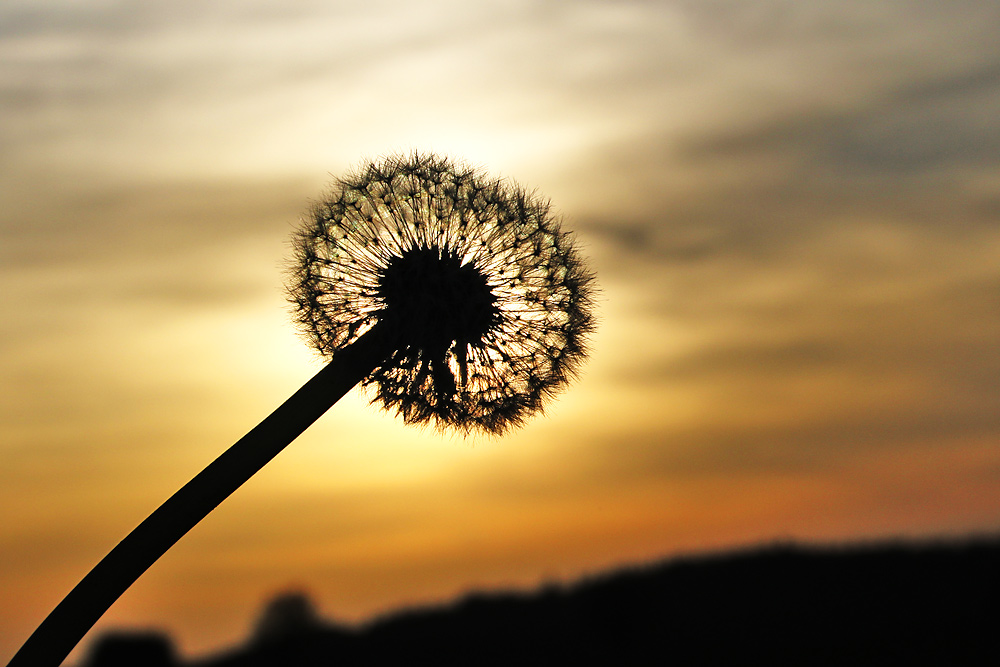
792,207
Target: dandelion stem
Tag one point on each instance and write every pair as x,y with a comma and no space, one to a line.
59,633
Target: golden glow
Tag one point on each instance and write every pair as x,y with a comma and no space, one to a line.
792,213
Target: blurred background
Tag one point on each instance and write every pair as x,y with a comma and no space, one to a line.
793,207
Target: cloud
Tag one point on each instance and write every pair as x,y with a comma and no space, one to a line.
824,272
792,208
922,129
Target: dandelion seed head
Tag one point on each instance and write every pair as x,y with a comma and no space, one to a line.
486,300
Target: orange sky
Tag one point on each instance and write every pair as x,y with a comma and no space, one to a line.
792,208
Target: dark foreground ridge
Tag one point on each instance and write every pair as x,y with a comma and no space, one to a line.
926,603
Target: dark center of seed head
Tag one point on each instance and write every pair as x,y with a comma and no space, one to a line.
435,299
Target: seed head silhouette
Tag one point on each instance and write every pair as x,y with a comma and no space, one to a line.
484,300
455,298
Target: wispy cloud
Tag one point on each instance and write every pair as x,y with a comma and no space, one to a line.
793,208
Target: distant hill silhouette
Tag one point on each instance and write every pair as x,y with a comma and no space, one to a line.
927,603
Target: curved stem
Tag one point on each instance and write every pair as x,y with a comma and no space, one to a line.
60,632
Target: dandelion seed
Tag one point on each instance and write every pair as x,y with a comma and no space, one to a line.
485,299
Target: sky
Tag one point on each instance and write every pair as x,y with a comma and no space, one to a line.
792,208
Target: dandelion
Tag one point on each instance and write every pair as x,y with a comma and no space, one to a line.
454,298
482,298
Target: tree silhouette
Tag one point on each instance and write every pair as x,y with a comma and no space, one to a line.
456,298
288,616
